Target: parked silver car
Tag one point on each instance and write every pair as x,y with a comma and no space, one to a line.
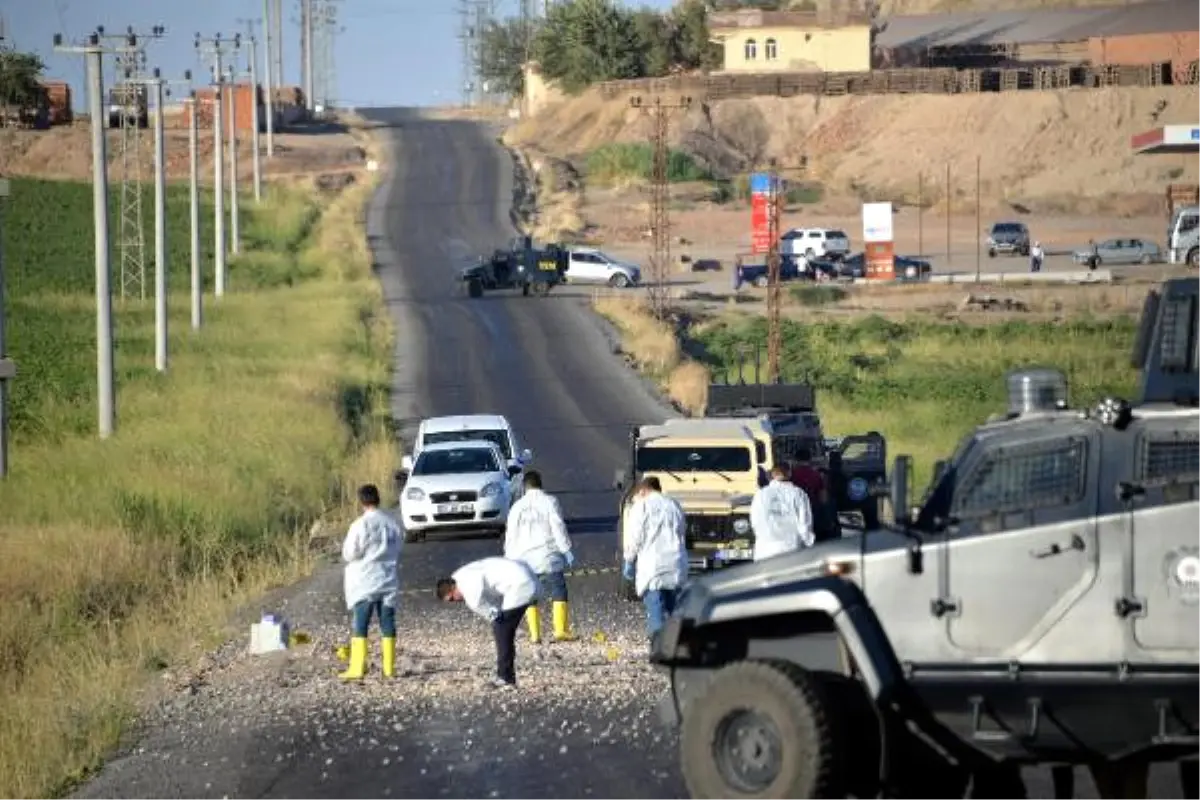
1119,251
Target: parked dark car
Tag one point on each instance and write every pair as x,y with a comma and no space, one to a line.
1008,238
855,266
759,274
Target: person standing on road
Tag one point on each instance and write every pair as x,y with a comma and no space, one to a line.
655,552
1036,255
499,590
371,551
537,535
781,517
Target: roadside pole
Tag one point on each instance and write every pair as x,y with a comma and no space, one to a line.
160,227
216,47
194,200
254,120
235,236
8,369
270,78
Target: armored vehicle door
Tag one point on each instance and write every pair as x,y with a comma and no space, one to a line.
1021,548
1158,528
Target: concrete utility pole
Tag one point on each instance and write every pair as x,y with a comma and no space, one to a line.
105,395
269,76
8,370
217,48
194,202
235,233
307,22
277,13
256,168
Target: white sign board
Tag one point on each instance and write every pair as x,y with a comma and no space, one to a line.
877,222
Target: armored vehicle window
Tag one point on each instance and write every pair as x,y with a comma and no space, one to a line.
693,459
1168,466
1179,345
1026,477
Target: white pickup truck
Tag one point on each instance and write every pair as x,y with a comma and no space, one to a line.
812,243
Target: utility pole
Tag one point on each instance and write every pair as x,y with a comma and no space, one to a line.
235,233
105,396
217,48
660,197
277,13
307,24
978,219
270,76
774,292
133,110
194,202
466,39
256,168
8,370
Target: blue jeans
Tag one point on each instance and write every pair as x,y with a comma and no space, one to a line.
660,604
364,610
556,584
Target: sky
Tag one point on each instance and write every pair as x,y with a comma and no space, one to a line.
391,52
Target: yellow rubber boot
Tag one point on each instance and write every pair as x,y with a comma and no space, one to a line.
358,660
533,619
562,632
388,646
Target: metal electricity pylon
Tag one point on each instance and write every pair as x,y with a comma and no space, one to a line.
660,195
130,100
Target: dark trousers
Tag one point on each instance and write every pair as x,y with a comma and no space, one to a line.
504,629
366,609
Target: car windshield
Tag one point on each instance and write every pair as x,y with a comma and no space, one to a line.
1006,227
496,437
694,459
456,461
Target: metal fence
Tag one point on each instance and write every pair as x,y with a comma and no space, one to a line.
940,80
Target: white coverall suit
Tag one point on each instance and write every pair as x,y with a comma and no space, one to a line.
781,517
371,581
654,543
537,535
499,590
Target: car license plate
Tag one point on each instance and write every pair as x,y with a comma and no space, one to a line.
735,555
456,508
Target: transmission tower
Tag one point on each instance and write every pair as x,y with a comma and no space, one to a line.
660,196
130,99
466,39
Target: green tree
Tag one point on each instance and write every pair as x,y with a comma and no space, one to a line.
19,74
584,41
655,42
502,55
692,48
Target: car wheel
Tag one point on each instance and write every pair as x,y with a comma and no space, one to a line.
474,288
1095,262
991,253
762,281
1146,259
619,281
1193,257
810,254
763,730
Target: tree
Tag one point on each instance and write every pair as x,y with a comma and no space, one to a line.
584,41
502,55
655,43
691,44
19,74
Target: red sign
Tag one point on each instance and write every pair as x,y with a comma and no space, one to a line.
881,261
760,223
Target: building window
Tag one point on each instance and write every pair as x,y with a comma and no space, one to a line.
751,49
772,50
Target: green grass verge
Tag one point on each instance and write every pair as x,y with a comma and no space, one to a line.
612,163
925,384
118,556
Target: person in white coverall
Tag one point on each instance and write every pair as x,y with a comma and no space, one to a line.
499,590
655,552
371,581
537,535
781,517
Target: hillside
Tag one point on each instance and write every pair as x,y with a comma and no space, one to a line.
1061,150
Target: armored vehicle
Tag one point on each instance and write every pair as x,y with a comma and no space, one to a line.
522,265
1038,607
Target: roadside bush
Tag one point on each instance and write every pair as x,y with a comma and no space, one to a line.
810,294
612,163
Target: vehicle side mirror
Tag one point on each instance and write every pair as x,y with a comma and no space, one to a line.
406,463
514,470
526,456
901,468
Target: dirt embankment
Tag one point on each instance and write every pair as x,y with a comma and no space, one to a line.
1060,151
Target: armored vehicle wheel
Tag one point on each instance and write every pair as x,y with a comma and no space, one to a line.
763,730
525,290
474,288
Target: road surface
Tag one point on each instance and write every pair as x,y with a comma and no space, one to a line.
581,724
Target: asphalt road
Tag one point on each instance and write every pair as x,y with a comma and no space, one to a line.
581,724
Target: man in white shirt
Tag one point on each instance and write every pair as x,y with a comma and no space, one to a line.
499,590
537,535
655,552
781,517
371,581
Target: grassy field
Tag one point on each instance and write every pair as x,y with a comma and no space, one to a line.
119,557
922,383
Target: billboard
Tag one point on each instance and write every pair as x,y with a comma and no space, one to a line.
878,237
760,213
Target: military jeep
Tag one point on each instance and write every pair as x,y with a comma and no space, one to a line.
521,265
1038,607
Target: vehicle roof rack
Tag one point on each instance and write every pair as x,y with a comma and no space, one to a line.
751,399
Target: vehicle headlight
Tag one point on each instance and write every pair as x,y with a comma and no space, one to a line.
414,493
492,490
857,489
741,525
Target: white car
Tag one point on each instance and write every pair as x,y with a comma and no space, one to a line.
815,243
456,485
589,265
492,428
